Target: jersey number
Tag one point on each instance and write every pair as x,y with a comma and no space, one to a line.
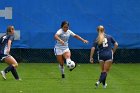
105,44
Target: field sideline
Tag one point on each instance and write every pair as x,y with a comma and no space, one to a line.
45,78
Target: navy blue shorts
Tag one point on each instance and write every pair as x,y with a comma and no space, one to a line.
105,55
3,56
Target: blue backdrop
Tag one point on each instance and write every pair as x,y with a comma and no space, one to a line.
38,21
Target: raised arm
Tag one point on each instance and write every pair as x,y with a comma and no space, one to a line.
80,38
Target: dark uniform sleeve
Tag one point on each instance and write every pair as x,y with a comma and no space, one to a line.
11,37
112,40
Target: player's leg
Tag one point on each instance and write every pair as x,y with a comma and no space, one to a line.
107,66
59,55
101,62
12,67
67,56
60,59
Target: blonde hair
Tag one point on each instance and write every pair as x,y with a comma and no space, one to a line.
100,37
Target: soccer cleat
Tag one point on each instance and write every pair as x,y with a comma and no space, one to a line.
19,79
104,86
74,67
63,75
97,84
3,75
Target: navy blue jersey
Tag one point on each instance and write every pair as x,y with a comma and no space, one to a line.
106,45
4,41
105,49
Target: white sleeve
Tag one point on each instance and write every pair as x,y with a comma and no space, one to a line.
59,32
72,33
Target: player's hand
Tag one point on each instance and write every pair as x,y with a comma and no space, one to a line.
85,41
91,60
62,42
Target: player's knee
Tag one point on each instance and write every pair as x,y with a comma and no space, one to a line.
15,65
106,70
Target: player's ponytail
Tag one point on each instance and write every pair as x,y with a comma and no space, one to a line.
100,37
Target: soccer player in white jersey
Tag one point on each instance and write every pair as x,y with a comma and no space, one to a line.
61,49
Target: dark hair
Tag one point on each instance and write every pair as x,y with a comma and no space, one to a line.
64,22
9,29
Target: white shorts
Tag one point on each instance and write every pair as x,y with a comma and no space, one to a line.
59,51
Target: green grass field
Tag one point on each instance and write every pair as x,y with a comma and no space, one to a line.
45,78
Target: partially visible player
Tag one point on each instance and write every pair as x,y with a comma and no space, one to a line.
104,44
5,47
61,49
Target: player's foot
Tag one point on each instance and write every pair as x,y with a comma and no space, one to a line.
3,75
19,79
63,75
74,67
104,86
97,84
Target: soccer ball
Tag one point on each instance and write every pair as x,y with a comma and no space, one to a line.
70,64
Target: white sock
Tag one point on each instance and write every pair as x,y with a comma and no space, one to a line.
98,82
61,69
67,60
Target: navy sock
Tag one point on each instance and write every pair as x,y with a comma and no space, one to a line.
14,73
9,68
102,77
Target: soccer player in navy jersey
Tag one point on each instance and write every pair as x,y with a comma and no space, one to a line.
5,47
104,44
61,48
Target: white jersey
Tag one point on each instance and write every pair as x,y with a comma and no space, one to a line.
65,37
